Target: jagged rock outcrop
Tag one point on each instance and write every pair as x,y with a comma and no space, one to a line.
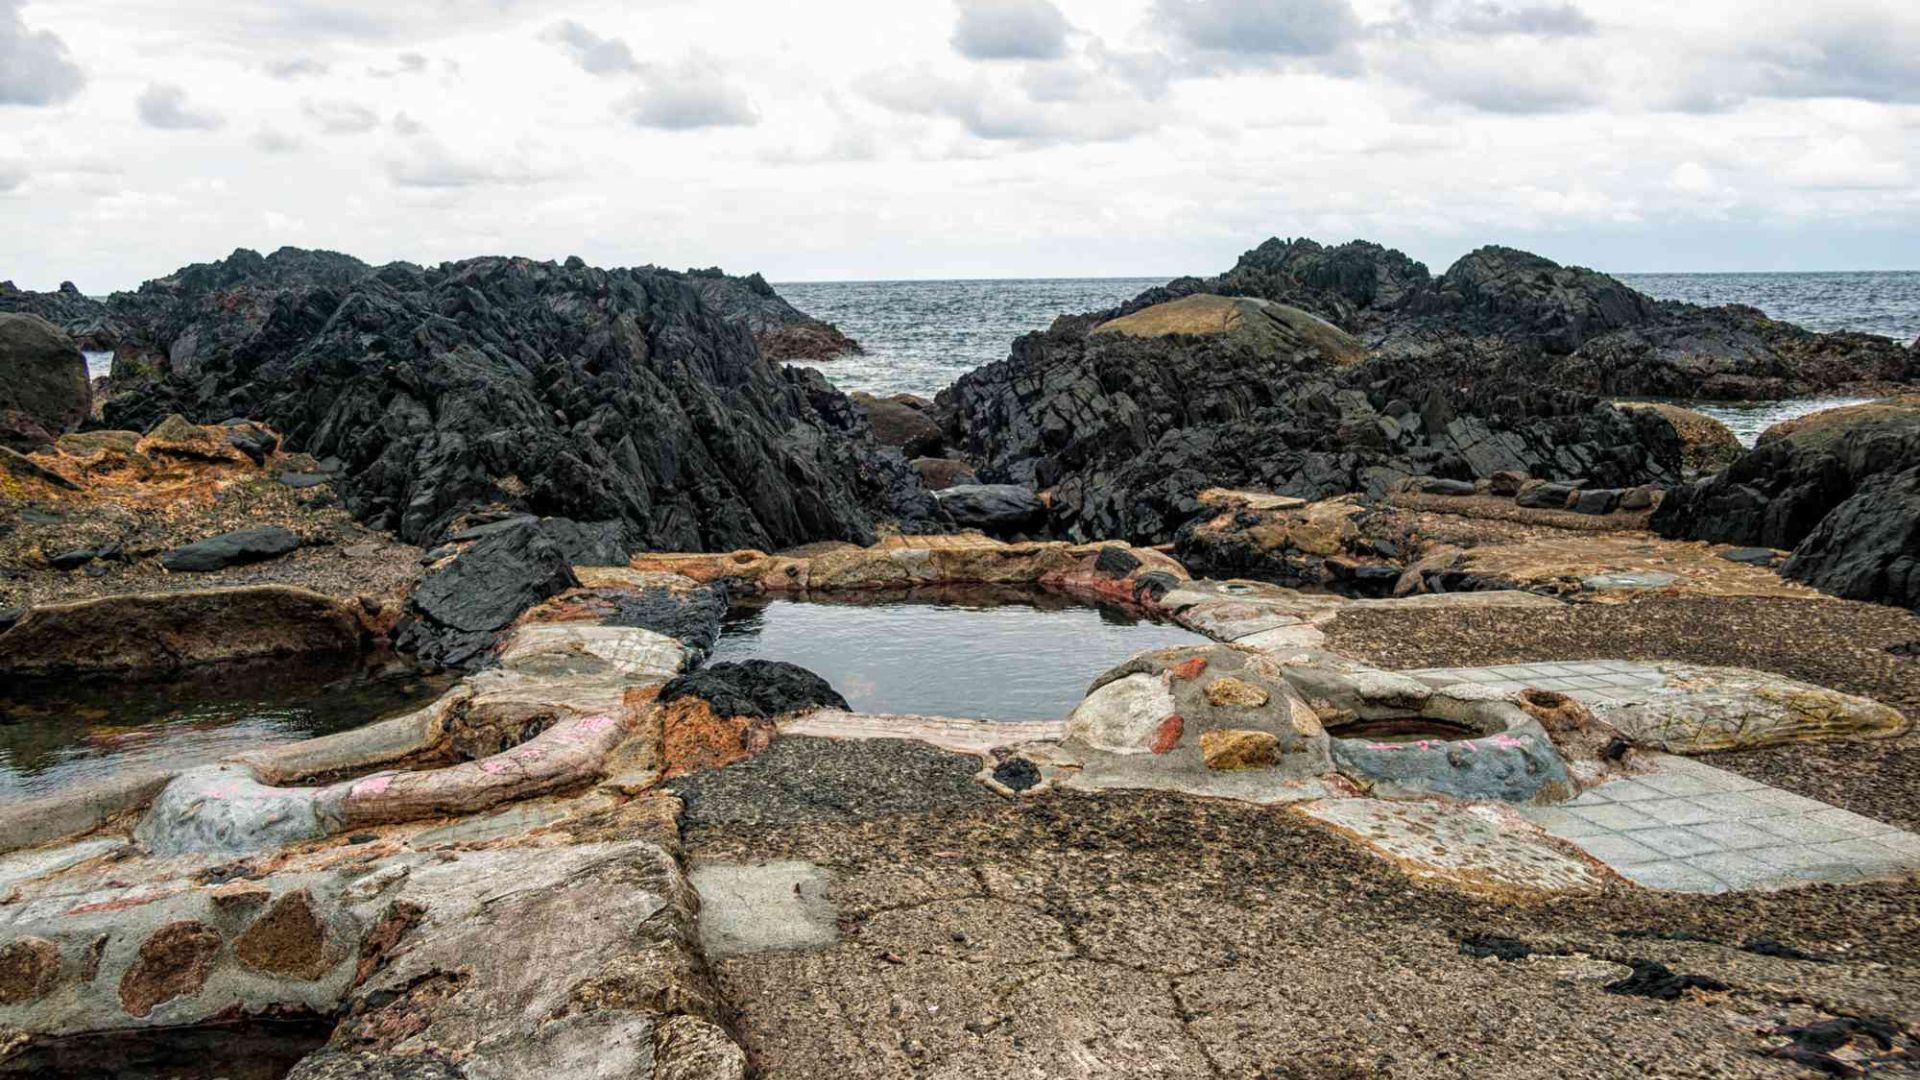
784,333
1128,415
43,382
1840,488
1706,444
1585,330
503,383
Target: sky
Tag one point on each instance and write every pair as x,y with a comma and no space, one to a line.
876,139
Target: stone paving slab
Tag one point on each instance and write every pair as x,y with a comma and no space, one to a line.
947,733
1591,681
1690,827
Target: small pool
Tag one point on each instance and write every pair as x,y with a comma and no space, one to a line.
1747,419
58,733
969,654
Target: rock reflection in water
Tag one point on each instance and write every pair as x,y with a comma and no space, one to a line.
994,654
60,732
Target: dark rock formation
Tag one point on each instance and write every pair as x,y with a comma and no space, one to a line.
1840,488
994,509
163,631
1706,444
898,421
43,382
457,611
1126,419
236,548
784,333
561,390
939,473
761,689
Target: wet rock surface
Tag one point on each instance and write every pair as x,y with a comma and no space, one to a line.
1007,510
461,607
558,389
236,548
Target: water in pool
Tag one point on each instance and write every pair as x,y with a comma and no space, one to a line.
57,733
985,656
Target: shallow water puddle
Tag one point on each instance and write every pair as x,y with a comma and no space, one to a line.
970,655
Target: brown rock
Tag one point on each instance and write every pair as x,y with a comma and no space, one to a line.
239,896
289,939
1226,749
1189,669
29,967
693,737
940,473
174,961
688,1048
178,437
1228,691
1506,482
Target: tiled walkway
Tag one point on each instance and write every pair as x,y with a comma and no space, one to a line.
1588,680
1694,828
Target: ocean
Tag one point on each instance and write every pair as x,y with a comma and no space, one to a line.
922,335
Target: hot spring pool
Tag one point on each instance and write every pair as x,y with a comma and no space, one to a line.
971,655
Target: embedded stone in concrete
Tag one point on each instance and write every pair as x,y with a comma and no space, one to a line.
287,939
222,808
763,907
1690,827
1124,716
1225,750
174,961
1227,692
29,968
1483,848
558,649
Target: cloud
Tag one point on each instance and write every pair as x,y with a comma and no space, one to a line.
165,106
270,141
1062,113
595,54
692,93
426,163
1494,17
296,67
34,66
1854,56
404,124
341,117
1010,30
407,63
1496,79
1261,33
11,177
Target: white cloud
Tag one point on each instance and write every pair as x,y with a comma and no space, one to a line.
1498,75
1261,33
1010,30
596,55
165,106
295,67
267,140
427,163
1541,18
35,68
691,93
340,117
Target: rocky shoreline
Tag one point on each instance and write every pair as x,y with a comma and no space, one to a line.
1528,735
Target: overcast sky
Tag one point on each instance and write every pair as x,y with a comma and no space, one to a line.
985,138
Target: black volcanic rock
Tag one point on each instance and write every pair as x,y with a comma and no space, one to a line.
783,332
457,612
1128,419
557,390
1840,488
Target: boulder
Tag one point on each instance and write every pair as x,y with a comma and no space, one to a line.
459,609
900,424
1431,485
940,473
43,378
1506,483
237,548
1706,444
995,509
763,689
1543,495
1594,501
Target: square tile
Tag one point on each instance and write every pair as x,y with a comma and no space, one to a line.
1867,854
1626,791
1735,804
1555,669
1673,875
1678,842
1740,870
1904,842
1680,784
1736,835
1787,802
1617,817
1803,860
1684,812
1563,824
1857,824
1618,851
1800,829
